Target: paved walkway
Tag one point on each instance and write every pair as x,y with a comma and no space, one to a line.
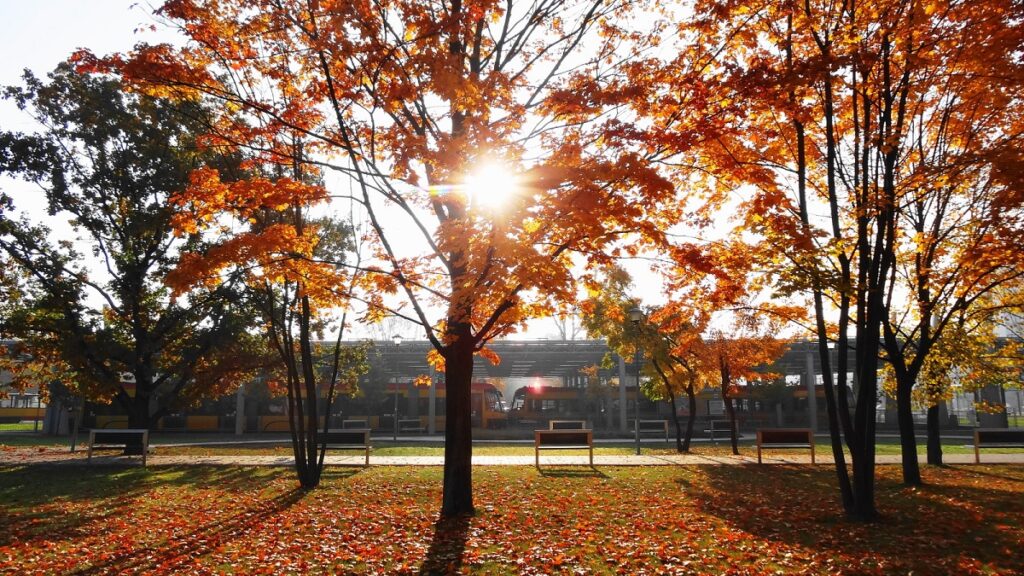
64,458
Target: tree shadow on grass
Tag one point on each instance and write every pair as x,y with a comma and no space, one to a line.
447,546
341,472
975,471
201,541
99,494
571,473
933,529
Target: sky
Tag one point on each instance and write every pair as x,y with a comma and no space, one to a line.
39,34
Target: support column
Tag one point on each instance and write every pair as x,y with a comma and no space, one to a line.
240,411
812,397
432,406
622,395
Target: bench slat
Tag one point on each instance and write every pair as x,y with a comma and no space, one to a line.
567,425
118,439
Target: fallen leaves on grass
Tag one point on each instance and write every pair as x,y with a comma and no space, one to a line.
709,519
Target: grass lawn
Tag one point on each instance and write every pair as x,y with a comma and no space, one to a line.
385,447
700,519
21,426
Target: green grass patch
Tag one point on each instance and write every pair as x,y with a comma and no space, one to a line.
19,426
277,445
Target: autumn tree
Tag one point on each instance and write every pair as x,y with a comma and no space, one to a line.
960,224
679,361
606,314
782,63
965,359
840,99
715,290
742,351
109,161
408,99
293,266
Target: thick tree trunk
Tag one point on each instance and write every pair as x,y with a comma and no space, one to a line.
457,493
138,417
908,441
138,412
934,437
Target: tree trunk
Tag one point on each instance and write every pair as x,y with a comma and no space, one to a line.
457,493
733,439
672,402
908,442
934,437
692,396
675,420
138,418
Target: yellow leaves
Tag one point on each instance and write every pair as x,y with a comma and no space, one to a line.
435,359
490,355
269,248
207,197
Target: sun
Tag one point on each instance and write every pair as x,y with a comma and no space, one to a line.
491,185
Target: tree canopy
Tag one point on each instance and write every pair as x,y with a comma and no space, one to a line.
109,161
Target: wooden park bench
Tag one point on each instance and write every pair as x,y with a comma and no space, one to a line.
567,425
118,438
348,439
411,427
996,438
657,426
354,423
720,426
785,438
563,440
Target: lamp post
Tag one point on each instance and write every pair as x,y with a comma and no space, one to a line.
397,339
635,316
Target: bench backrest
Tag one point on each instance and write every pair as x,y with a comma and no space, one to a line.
567,425
784,436
360,424
351,436
653,424
999,435
127,437
563,437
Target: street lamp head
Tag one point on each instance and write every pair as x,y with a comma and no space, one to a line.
636,314
397,339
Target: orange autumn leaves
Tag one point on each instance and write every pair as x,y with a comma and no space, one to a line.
654,520
256,236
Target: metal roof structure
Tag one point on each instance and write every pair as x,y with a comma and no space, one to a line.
519,358
547,358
